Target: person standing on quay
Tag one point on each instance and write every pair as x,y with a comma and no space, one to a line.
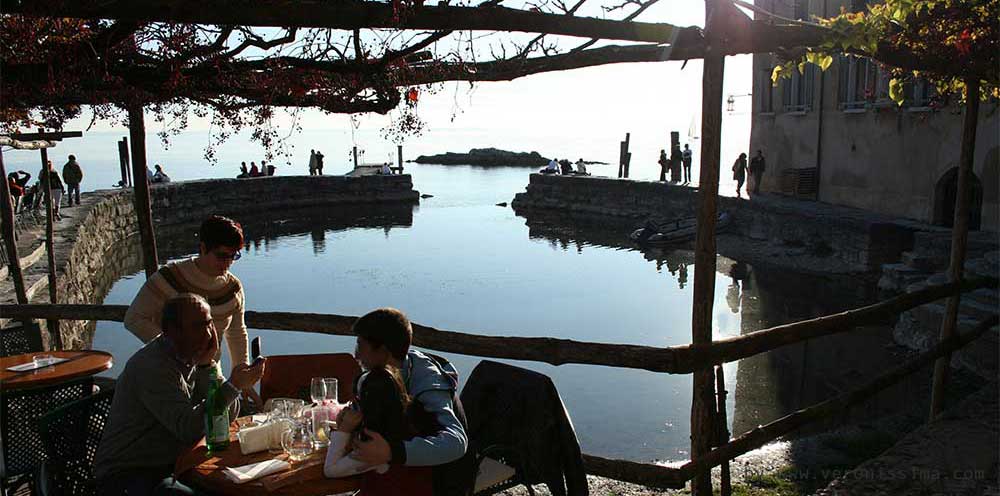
56,187
319,163
686,158
312,162
73,175
207,275
757,167
740,172
663,165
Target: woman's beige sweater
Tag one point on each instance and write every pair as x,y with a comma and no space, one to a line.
224,294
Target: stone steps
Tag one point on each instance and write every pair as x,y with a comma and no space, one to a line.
924,262
899,275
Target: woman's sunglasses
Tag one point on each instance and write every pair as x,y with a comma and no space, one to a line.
221,255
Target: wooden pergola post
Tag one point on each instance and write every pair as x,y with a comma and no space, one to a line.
13,259
143,210
703,395
959,236
399,152
55,336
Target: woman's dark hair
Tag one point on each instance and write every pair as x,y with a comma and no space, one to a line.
384,404
221,231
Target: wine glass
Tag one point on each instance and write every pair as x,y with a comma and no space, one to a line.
317,390
297,441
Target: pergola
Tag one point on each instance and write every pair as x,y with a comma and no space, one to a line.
370,83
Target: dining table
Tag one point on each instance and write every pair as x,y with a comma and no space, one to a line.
202,469
74,365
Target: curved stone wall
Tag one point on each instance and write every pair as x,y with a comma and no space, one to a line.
98,244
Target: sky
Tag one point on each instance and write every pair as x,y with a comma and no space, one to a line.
611,99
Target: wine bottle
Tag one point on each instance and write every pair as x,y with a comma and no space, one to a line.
216,417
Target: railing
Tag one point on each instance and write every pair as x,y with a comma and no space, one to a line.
675,360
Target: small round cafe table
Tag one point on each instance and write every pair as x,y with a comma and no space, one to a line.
203,470
79,363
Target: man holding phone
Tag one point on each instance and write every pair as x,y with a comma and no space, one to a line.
159,405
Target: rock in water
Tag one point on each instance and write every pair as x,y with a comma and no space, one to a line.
486,157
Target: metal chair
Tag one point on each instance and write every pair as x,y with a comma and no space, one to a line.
23,451
20,337
289,376
71,434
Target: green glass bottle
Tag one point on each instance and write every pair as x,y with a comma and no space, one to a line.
216,417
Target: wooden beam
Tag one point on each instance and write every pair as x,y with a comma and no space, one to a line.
55,337
143,210
645,474
681,359
762,435
9,241
703,393
46,136
959,238
344,15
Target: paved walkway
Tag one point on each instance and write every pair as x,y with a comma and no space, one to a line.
955,455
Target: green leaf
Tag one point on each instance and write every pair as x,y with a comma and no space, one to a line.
825,61
896,91
776,74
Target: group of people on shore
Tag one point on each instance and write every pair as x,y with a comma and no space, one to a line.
264,170
756,169
26,197
679,165
405,428
565,168
315,163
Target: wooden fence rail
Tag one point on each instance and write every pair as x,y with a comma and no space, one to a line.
762,435
681,359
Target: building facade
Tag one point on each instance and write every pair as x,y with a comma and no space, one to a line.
836,136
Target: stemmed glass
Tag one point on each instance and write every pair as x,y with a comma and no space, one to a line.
317,390
330,386
297,441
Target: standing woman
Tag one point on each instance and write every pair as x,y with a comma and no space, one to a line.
740,172
207,275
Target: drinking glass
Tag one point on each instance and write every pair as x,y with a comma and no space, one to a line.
317,390
324,423
297,441
330,385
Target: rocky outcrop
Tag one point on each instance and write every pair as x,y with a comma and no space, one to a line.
487,157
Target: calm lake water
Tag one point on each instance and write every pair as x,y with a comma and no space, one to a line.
459,262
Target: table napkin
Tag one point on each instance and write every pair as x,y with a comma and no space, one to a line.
262,437
247,473
32,365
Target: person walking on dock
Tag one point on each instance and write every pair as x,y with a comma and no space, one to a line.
73,175
757,167
56,187
686,158
740,173
664,163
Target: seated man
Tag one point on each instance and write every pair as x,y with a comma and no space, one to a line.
581,168
384,337
159,406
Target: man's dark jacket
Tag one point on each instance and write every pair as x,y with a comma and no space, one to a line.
521,409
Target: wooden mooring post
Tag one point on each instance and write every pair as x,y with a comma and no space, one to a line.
143,210
703,393
355,152
123,162
55,338
959,237
10,243
399,152
623,157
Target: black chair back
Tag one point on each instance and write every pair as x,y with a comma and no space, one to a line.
71,434
18,338
23,450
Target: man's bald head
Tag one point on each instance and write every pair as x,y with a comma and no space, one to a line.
187,322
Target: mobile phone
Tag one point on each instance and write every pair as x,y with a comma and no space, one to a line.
255,349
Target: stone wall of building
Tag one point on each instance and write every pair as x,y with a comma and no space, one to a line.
859,240
98,243
871,154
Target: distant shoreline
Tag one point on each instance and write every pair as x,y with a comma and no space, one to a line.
490,157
